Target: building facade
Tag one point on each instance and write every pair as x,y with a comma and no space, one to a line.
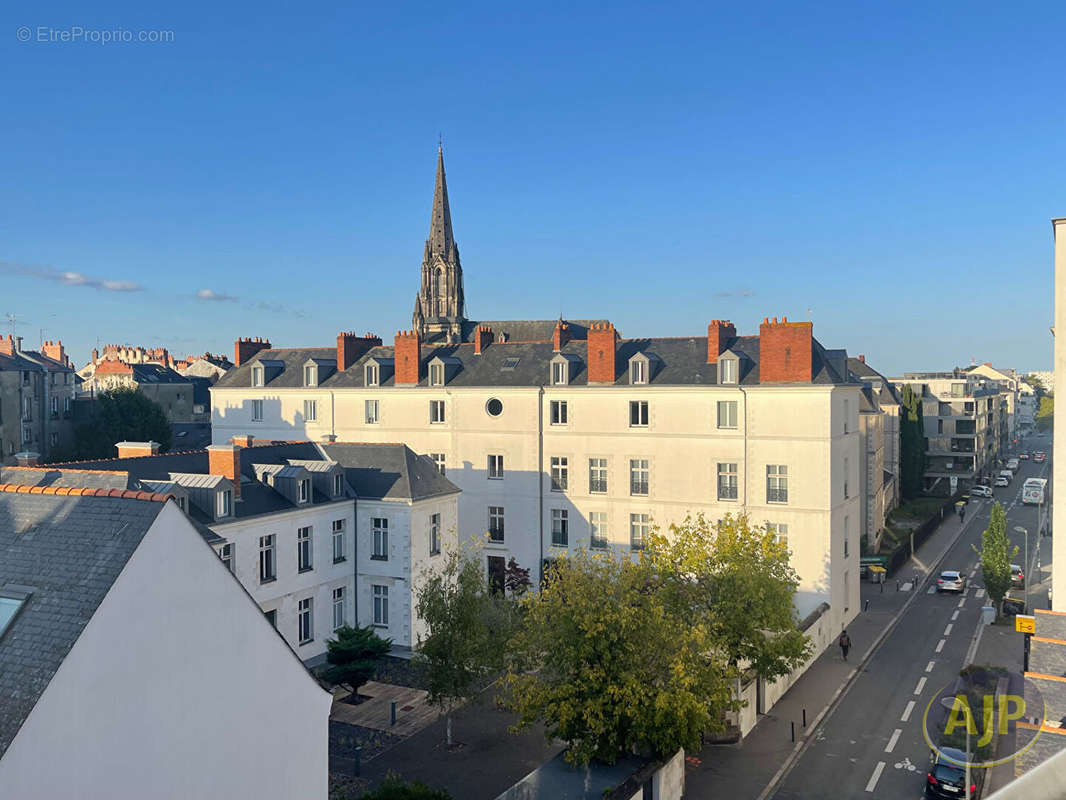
36,400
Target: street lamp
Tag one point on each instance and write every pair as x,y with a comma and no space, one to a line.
1025,571
949,703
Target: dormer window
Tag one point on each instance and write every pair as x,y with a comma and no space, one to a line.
305,490
638,372
224,503
436,374
728,368
559,373
310,375
338,485
257,376
372,375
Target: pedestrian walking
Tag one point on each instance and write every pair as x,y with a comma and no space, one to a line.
962,513
845,644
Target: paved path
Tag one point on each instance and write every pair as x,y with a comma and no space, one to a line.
413,713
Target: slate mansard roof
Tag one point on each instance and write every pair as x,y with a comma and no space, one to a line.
65,552
681,362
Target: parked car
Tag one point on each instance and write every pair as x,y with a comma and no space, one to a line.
981,491
1002,481
947,778
1024,456
951,581
1040,457
1017,577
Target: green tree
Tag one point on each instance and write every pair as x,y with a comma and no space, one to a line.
467,625
911,443
609,663
1045,414
394,788
737,580
1037,384
996,555
353,656
516,579
118,415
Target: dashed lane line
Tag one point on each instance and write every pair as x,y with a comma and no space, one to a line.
947,630
940,645
929,666
979,593
907,711
962,601
872,783
892,742
955,615
920,686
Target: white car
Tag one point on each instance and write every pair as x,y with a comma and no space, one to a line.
981,491
951,581
1001,481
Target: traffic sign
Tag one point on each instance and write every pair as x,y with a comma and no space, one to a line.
1024,623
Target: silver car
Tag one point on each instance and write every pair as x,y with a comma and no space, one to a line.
951,581
981,491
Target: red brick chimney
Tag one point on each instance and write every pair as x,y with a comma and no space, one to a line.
243,349
483,337
137,449
560,336
602,341
785,351
54,350
862,358
350,347
720,334
225,460
7,346
407,358
244,440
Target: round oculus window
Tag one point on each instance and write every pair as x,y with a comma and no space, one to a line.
494,407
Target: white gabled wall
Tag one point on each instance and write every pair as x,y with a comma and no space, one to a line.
177,688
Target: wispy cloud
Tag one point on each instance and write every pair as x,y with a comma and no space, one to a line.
67,277
738,293
277,308
218,297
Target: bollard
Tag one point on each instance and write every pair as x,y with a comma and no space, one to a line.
393,707
804,718
897,584
883,584
793,724
867,608
358,765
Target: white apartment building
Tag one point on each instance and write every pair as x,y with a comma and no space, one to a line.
1058,552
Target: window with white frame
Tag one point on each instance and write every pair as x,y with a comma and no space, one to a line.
436,411
372,375
847,413
436,374
598,476
66,405
496,524
257,411
845,477
267,561
304,612
727,413
310,375
225,503
638,413
438,459
779,531
727,370
846,537
310,410
434,534
638,372
495,467
560,467
560,527
639,530
380,528
55,403
340,541
639,474
371,408
727,481
558,412
598,530
225,552
776,483
304,549
381,606
304,487
339,615
338,484
257,376
560,373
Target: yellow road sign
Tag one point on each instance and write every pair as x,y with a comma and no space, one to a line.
1025,624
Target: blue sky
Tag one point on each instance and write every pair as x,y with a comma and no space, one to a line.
890,167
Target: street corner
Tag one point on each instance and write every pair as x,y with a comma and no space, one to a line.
985,717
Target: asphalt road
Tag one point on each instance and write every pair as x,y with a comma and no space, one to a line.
872,743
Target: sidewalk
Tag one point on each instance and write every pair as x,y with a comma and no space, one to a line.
743,771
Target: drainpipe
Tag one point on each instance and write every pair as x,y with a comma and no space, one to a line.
744,503
540,485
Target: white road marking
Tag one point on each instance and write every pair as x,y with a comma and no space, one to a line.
929,666
940,645
955,615
892,742
877,774
980,593
920,686
906,587
931,590
947,630
962,601
907,711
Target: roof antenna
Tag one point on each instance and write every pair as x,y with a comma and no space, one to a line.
808,315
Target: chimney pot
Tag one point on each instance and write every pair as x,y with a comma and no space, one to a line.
225,460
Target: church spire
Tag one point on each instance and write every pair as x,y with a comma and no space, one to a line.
441,240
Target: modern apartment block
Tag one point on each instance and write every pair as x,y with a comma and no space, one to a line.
36,400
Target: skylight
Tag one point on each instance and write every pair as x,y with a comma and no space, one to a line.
9,607
509,364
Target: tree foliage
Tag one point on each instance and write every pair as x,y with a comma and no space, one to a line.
394,788
353,656
911,443
516,579
119,415
466,627
1045,414
616,654
996,555
1037,383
